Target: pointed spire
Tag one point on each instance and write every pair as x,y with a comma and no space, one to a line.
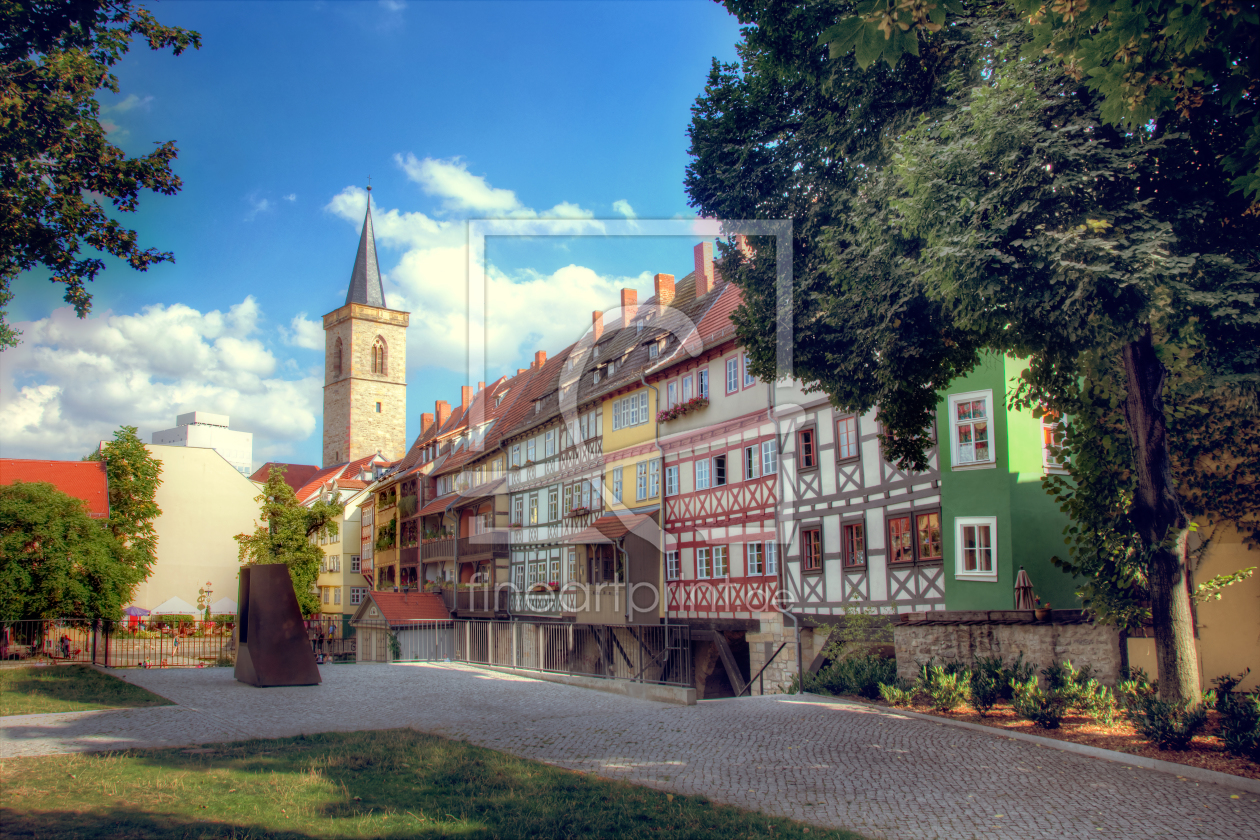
365,281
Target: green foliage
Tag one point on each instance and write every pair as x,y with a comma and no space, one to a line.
56,561
1225,686
58,167
387,535
395,646
860,675
286,536
1018,671
1240,725
1169,725
986,684
860,631
898,694
1134,688
946,690
1044,708
134,477
1210,589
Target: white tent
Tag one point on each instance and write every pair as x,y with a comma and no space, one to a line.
175,606
223,606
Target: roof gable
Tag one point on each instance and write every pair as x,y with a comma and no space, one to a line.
86,480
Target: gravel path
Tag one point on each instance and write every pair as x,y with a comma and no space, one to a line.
834,764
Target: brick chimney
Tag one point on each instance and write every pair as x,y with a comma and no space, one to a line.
664,289
481,386
519,371
704,268
465,396
597,324
540,359
629,306
443,410
426,420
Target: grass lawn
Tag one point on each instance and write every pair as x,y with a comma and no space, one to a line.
392,783
67,688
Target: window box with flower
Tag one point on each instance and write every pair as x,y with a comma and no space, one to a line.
682,409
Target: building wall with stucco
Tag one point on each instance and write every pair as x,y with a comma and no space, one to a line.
365,411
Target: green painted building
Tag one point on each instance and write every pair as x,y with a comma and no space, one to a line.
996,516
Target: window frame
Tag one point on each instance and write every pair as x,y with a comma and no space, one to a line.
671,394
722,568
952,407
918,545
909,533
752,462
702,383
961,522
841,458
702,484
640,481
754,559
808,543
618,482
673,566
770,457
549,443
749,379
772,557
719,473
671,480
1049,430
846,544
812,431
654,478
732,374
704,563
686,389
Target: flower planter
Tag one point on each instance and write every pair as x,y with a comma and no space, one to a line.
1042,613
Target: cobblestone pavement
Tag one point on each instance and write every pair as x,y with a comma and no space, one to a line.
834,764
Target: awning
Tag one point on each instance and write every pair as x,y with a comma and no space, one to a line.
135,611
608,529
223,606
438,505
175,606
485,490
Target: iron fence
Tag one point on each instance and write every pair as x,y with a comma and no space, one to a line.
151,642
643,653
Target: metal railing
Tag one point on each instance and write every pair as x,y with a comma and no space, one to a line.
643,653
150,642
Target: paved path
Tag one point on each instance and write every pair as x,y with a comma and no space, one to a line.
839,765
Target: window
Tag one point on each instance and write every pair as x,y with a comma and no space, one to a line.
976,538
900,542
530,450
721,561
769,457
327,590
811,549
356,564
378,408
702,474
686,388
806,451
568,499
671,395
704,563
719,470
854,544
846,438
673,568
336,594
969,416
654,350
1051,439
357,594
772,558
549,443
378,356
572,564
928,543
336,360
617,484
749,379
533,509
516,455
702,376
671,481
553,504
630,411
640,481
752,463
654,479
595,375
732,375
518,510
756,559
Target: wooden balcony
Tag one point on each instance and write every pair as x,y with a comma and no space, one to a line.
439,549
409,556
482,600
484,546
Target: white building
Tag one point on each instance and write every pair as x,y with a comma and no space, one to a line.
210,431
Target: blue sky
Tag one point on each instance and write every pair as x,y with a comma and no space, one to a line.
576,110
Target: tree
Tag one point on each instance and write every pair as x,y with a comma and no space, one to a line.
1011,218
56,165
134,477
55,560
1147,59
287,536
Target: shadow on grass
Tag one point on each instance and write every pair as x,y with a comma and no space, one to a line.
68,688
390,783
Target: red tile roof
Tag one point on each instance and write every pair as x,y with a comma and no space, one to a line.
295,475
404,607
84,480
611,527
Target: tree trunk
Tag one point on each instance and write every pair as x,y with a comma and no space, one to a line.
1161,523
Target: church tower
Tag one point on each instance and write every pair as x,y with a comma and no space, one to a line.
365,366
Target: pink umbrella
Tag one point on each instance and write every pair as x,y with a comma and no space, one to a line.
1023,591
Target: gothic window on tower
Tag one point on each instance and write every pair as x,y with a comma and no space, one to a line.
336,360
378,356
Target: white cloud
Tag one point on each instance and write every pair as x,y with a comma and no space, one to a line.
291,197
256,205
71,382
623,207
459,189
303,332
132,101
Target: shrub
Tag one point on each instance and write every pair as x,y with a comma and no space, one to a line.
1225,689
1018,671
1044,708
898,694
1134,686
1241,725
860,675
986,685
1169,726
945,689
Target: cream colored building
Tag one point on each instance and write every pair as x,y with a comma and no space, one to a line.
205,503
342,586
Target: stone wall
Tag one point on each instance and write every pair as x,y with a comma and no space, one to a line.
774,631
1041,643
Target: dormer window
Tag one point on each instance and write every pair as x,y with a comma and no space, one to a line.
654,350
538,404
595,376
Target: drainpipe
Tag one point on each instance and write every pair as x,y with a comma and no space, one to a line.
796,624
507,483
660,525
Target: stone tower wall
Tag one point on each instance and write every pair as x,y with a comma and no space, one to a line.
353,428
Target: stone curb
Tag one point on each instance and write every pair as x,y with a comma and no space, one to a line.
1185,771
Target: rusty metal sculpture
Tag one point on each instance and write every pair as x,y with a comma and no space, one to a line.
272,647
